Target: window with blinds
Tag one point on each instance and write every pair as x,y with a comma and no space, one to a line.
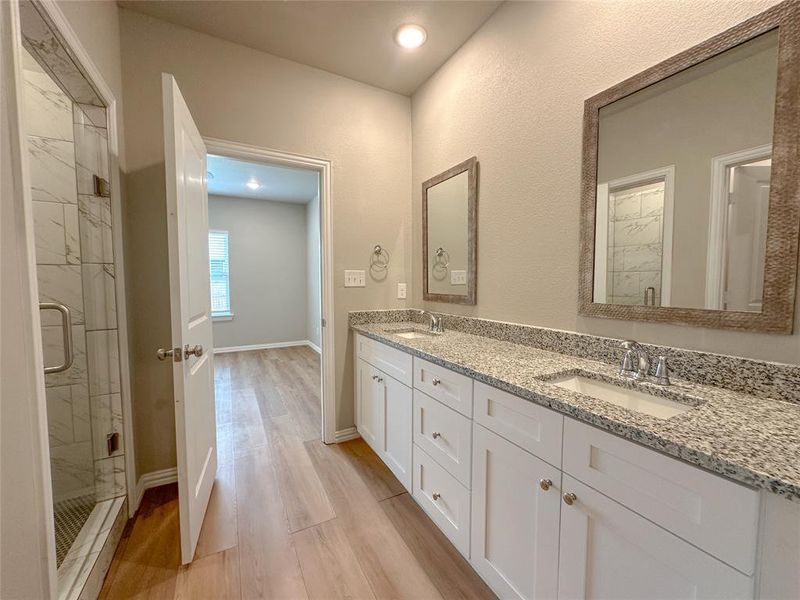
220,270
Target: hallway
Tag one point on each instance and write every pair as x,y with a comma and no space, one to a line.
289,517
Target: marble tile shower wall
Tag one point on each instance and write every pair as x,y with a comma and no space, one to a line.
75,266
635,244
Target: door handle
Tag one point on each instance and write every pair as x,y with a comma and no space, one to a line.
66,332
188,350
174,353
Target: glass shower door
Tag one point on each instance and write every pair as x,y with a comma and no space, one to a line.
68,157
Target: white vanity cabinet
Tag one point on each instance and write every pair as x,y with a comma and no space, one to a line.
369,410
545,506
515,512
608,551
397,439
384,407
709,512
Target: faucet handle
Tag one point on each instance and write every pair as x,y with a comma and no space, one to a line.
661,376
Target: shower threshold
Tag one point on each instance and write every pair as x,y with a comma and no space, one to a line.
80,566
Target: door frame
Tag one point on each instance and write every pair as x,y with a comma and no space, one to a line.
323,167
604,191
92,73
718,218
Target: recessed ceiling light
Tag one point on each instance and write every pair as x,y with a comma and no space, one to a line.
410,36
253,184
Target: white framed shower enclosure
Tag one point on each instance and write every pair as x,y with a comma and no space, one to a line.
34,560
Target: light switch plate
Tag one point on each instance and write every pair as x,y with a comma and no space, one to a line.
401,291
458,277
355,278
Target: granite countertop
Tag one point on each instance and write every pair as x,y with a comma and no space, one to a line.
751,440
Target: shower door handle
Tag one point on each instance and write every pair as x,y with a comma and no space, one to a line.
66,331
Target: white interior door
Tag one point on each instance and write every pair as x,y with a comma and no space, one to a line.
190,299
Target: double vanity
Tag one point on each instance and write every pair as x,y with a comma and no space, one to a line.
556,477
564,465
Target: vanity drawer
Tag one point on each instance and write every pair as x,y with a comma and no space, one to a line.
449,387
445,435
714,514
393,362
532,427
443,498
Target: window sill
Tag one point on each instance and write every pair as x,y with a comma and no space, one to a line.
222,316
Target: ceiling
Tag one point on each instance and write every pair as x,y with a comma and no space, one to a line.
350,38
281,184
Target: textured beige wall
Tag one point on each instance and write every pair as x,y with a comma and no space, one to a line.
243,95
513,95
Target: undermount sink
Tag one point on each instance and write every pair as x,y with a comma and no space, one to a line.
411,334
655,406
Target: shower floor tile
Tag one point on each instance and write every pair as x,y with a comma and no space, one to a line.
70,516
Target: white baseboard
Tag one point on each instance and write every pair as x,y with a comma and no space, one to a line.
154,479
265,346
313,346
344,435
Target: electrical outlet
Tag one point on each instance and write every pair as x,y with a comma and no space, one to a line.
401,291
355,278
458,277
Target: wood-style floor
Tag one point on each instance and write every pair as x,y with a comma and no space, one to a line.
289,517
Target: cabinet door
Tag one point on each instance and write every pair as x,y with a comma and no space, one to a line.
398,408
370,406
514,520
609,551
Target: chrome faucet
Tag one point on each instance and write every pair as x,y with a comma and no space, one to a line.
436,322
636,362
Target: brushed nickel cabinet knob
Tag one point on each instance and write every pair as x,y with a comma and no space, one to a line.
569,498
436,496
436,381
436,434
545,484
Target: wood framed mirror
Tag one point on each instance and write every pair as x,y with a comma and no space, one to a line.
450,235
690,209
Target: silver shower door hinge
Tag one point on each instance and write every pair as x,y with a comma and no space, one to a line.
101,187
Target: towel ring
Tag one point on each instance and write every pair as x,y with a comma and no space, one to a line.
442,259
379,261
441,262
